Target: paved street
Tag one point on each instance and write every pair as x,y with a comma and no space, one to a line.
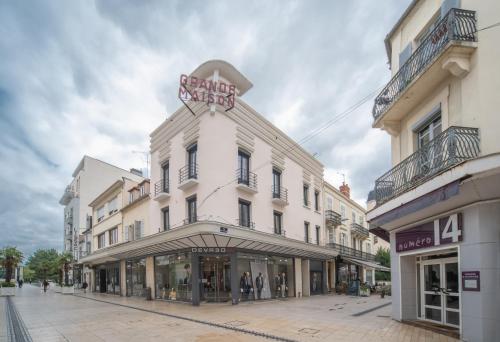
56,317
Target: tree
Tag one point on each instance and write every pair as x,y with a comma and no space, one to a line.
64,261
10,258
44,263
383,256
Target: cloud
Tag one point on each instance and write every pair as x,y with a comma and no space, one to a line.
96,78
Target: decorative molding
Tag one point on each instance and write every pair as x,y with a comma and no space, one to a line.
306,175
164,152
191,132
245,139
391,127
277,159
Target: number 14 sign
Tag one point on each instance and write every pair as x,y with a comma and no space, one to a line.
441,231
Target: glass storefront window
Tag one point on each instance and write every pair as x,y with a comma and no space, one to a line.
107,278
136,277
215,278
173,277
264,277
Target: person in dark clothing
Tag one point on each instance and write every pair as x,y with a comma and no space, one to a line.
84,286
259,284
245,285
45,284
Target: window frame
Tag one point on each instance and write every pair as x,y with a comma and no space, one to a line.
189,201
165,217
165,176
241,205
305,194
113,236
318,228
277,173
244,170
278,217
192,160
101,244
306,231
316,200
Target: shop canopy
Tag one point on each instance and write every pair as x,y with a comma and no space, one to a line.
367,264
201,236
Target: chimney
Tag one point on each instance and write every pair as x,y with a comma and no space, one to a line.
136,172
344,189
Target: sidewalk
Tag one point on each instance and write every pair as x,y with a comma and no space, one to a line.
3,319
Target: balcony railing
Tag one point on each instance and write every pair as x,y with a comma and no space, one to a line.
332,218
187,172
247,178
359,230
451,147
351,252
245,224
161,186
280,193
457,25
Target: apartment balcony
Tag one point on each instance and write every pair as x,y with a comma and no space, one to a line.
279,195
359,232
332,219
83,254
245,224
188,176
67,196
162,190
450,148
247,181
345,251
447,49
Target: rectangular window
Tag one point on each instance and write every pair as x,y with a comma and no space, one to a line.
165,169
192,160
130,196
317,234
101,240
112,206
353,217
191,209
138,229
316,200
306,195
342,211
243,168
368,248
329,203
306,232
142,190
343,239
244,209
166,218
429,132
276,183
100,214
278,217
113,236
361,219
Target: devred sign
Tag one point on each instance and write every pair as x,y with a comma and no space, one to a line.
441,231
208,91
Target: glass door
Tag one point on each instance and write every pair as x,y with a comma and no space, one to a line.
440,294
216,279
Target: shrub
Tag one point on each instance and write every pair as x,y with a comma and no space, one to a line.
7,284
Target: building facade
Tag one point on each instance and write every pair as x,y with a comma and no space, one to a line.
440,203
236,210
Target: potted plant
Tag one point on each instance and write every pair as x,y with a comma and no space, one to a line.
364,290
10,258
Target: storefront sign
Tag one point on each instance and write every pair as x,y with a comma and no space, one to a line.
211,250
471,281
441,231
210,92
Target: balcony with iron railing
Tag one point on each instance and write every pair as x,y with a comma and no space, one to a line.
162,190
246,181
279,195
349,252
245,224
188,176
450,148
453,36
359,232
332,218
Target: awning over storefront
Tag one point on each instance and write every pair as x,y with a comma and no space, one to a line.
203,235
367,264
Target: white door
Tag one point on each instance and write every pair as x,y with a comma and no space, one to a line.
440,291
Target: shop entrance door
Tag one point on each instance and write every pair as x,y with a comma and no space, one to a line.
215,278
440,293
102,280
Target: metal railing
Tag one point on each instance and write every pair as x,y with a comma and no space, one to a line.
351,252
161,186
245,224
189,171
451,147
359,230
280,192
333,218
247,178
457,25
191,220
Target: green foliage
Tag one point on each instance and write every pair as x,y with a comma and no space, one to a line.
383,256
64,263
45,264
7,284
28,273
10,258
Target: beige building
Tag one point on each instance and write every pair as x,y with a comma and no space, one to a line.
236,210
440,203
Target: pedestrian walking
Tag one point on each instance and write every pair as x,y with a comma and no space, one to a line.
84,286
45,285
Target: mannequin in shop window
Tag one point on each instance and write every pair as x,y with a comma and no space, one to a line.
246,285
259,284
283,284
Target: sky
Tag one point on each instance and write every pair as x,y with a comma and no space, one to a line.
96,77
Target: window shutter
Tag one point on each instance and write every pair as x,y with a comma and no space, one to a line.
138,229
448,5
404,55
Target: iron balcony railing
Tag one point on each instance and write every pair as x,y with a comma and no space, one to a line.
345,251
245,224
359,230
457,25
332,218
280,192
247,178
190,220
451,147
189,171
161,186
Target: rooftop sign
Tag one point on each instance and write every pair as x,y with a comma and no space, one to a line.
209,91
